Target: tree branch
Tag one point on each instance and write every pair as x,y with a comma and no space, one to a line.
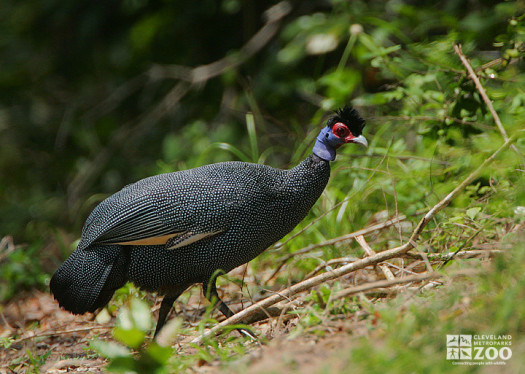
353,235
370,252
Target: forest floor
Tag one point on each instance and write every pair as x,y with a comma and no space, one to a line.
46,339
55,341
59,342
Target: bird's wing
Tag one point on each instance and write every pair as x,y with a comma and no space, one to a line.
130,217
142,226
138,225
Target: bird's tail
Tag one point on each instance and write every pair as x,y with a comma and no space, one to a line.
87,280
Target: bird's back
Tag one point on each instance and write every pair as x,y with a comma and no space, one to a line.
245,208
210,198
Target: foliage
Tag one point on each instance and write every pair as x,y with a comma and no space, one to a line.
133,324
80,119
134,353
408,333
485,307
22,270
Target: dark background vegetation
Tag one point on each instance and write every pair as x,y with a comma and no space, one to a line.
96,95
63,62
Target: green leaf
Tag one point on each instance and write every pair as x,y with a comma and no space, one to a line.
110,349
340,84
141,315
132,338
159,353
232,149
252,135
473,212
125,365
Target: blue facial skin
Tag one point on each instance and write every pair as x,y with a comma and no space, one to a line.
326,144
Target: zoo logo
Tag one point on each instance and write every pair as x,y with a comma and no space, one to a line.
461,347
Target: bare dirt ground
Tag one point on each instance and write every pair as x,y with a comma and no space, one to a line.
36,318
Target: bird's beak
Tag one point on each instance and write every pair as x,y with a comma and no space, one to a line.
360,140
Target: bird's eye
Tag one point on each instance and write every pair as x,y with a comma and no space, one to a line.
340,130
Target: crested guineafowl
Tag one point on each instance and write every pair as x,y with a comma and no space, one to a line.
167,232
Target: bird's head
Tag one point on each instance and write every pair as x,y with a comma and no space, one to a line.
345,126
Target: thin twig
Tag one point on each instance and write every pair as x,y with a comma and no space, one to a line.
472,74
391,282
470,239
353,235
370,252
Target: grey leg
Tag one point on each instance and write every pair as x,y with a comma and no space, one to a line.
165,307
210,292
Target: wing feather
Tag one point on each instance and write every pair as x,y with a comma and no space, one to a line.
164,209
127,217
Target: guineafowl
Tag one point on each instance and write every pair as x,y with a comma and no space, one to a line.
167,232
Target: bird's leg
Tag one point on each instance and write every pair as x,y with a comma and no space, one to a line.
165,307
210,292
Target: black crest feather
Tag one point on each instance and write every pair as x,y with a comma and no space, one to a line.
350,117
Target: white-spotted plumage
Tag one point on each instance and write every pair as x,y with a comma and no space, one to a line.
167,232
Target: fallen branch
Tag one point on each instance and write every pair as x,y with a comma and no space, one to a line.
391,282
370,252
413,255
353,235
334,261
61,332
66,364
360,264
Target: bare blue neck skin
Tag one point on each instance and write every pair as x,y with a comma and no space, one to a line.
326,144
